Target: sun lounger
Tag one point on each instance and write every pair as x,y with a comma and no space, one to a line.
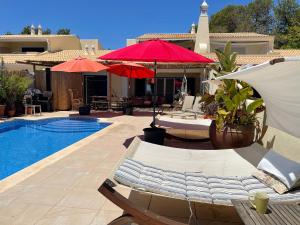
191,112
209,177
185,129
187,105
179,123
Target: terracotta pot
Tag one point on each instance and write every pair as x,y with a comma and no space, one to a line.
2,110
29,110
237,137
11,112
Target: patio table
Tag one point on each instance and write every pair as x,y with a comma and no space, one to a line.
99,102
33,107
277,214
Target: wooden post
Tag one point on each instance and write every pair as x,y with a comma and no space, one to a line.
110,87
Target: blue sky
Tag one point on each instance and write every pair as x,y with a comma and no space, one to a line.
112,22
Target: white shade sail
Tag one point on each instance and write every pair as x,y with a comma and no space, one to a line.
278,82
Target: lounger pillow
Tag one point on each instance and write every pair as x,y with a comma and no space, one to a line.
270,181
286,170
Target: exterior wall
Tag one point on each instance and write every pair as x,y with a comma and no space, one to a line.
282,143
119,86
40,80
186,44
131,42
60,83
247,48
58,43
10,47
91,42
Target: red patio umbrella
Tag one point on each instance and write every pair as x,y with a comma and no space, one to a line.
79,65
131,70
156,51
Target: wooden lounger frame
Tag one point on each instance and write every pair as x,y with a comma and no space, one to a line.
133,213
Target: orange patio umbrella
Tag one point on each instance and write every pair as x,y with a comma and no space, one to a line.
79,65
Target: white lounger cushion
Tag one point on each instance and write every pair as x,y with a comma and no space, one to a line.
286,170
193,186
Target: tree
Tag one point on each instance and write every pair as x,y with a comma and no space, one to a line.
287,14
26,30
8,33
47,31
63,31
231,19
260,12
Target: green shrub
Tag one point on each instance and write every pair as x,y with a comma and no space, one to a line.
12,87
231,97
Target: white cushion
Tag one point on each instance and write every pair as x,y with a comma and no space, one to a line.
286,170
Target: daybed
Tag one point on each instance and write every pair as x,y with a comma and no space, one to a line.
187,184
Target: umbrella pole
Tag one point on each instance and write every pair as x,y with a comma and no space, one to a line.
155,93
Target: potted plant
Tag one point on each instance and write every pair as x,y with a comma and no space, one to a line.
2,98
14,86
2,90
234,121
84,110
128,109
154,135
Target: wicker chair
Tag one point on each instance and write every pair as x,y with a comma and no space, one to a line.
76,102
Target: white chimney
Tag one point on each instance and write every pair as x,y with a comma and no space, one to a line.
93,51
202,44
32,30
193,29
40,30
86,49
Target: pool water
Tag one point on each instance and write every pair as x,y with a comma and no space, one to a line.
24,142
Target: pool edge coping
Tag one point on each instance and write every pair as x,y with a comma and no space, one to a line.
31,170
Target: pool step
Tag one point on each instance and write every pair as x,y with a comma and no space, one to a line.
69,126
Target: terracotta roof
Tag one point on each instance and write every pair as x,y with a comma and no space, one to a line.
188,36
12,58
287,52
238,35
58,57
257,59
168,36
66,55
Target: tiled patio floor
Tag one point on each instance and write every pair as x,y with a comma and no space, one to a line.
65,193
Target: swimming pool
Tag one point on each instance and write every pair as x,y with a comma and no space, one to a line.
24,142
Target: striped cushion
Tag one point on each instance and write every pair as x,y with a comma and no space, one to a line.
194,186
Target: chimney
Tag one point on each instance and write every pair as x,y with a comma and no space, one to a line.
86,49
93,51
40,30
202,44
32,30
193,29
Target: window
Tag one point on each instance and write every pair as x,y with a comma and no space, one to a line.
33,49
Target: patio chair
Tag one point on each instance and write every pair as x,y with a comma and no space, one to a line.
117,103
183,175
76,102
187,105
45,100
191,112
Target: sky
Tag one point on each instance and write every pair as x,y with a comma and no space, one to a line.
110,21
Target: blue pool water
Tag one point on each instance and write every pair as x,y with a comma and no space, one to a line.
24,142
